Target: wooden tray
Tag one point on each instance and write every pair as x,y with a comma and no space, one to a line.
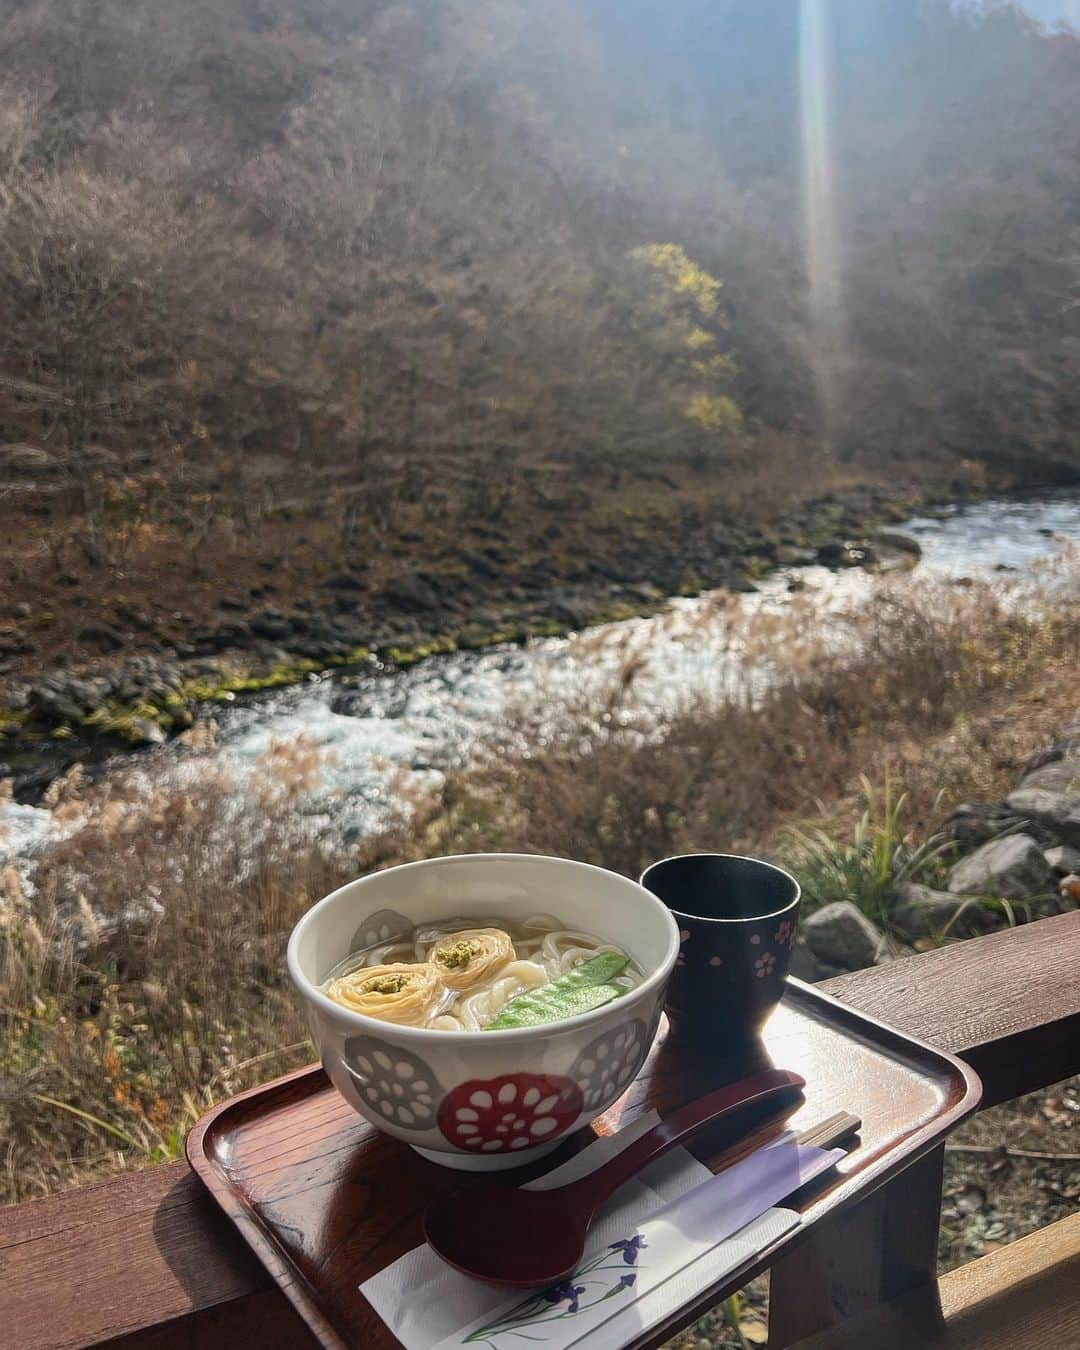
325,1201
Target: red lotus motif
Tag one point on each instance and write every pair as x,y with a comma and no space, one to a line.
515,1111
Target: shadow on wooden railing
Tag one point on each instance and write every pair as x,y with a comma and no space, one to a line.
146,1260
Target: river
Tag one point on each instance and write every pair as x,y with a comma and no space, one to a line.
379,733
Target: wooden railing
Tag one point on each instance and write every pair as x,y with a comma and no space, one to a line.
145,1260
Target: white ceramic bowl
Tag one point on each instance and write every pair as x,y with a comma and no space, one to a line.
447,1093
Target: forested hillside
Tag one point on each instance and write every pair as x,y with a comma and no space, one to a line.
332,275
329,227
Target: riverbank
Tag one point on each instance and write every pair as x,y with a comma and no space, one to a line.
154,683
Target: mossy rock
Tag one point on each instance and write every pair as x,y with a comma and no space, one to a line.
410,655
13,720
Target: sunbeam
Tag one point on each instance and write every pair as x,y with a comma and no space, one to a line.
820,212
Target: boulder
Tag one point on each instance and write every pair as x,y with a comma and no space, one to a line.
921,912
1061,775
1066,746
846,553
144,732
900,543
566,606
1010,868
974,823
411,594
271,624
804,964
89,693
481,564
841,935
55,704
345,581
102,636
14,643
1058,812
1063,859
790,555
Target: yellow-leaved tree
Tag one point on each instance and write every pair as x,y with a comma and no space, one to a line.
681,322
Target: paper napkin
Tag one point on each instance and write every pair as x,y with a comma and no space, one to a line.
660,1241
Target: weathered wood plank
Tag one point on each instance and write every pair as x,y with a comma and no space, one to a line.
146,1249
149,1262
1007,1003
1026,1294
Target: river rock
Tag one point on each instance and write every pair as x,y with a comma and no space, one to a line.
846,553
345,581
1010,868
102,636
14,643
1058,812
567,615
60,698
90,692
55,706
411,594
144,732
481,564
841,935
1063,859
271,624
791,555
899,543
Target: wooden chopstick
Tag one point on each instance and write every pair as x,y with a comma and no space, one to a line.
831,1131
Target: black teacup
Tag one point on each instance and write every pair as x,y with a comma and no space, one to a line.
737,921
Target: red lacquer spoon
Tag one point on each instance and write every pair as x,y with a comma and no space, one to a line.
526,1238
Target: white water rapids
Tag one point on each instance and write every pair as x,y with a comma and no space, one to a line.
402,729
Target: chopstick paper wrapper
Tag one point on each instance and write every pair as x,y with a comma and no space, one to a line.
660,1241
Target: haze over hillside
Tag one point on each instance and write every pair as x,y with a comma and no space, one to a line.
535,228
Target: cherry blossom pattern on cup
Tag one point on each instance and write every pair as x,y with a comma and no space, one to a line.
764,965
393,1083
514,1111
785,934
684,938
609,1062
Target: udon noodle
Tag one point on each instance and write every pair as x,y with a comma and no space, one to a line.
461,974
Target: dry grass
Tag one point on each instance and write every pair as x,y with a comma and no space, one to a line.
730,770
142,974
143,977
